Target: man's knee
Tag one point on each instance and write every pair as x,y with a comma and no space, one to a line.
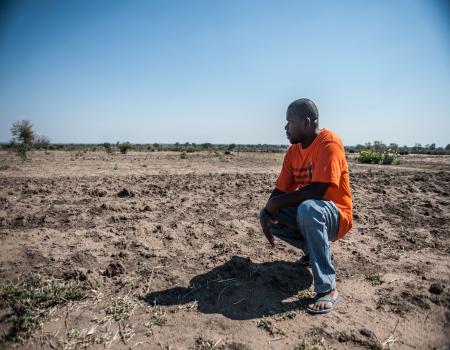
308,212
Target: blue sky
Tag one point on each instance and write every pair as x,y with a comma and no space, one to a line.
225,71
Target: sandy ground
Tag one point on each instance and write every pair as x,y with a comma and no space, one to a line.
169,254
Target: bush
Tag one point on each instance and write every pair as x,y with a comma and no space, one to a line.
41,142
21,150
374,157
107,147
369,157
124,147
388,157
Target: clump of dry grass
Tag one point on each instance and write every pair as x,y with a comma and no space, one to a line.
314,344
269,327
120,309
374,278
202,343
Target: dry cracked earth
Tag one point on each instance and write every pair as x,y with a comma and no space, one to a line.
153,251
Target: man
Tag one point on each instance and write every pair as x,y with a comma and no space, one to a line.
311,203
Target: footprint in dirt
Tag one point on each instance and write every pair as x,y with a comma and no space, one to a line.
241,289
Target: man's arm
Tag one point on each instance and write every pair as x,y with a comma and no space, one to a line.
276,192
279,199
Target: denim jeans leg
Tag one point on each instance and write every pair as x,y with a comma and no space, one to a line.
287,228
319,222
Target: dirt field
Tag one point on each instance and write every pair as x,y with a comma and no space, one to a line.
151,251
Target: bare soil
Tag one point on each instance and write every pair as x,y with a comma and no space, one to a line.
169,254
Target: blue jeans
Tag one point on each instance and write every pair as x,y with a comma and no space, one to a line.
311,226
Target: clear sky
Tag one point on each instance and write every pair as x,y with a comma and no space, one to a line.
90,71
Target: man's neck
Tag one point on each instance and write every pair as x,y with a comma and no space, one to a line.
310,139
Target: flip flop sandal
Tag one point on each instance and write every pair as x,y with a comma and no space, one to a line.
326,298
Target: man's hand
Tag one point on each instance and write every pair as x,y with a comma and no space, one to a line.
266,222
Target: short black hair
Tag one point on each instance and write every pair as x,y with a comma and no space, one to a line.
303,107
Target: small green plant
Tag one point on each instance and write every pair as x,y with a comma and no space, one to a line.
374,279
183,155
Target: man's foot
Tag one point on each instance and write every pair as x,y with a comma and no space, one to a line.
324,302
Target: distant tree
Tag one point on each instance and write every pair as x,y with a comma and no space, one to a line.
447,148
432,146
107,147
379,146
23,137
124,147
231,147
22,132
417,147
41,141
393,147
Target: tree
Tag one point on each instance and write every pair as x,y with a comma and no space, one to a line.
41,141
393,147
23,137
124,147
379,146
22,132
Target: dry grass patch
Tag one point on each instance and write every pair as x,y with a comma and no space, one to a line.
31,300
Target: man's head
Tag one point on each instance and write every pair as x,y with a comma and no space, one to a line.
302,120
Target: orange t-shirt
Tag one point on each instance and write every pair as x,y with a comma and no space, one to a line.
322,161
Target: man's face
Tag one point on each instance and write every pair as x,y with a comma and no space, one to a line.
295,128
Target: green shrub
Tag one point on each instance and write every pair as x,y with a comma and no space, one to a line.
124,147
369,157
388,157
374,157
21,150
31,300
107,147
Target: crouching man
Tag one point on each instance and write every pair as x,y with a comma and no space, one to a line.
311,204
